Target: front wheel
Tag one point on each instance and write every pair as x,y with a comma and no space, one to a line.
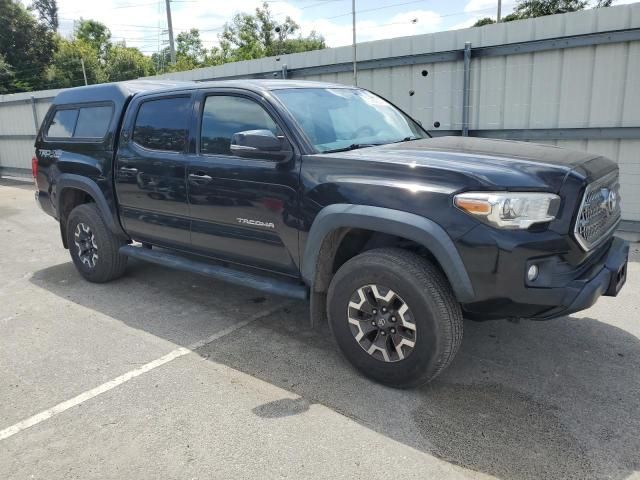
394,317
94,248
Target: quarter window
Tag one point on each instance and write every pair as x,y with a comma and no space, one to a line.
162,124
93,122
225,115
81,123
63,124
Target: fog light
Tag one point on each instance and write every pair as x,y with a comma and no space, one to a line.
532,273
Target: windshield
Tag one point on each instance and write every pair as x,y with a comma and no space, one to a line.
346,118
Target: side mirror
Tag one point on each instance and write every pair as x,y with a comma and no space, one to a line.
260,144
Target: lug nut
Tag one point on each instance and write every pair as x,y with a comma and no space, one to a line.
393,319
374,311
384,310
373,323
393,330
383,333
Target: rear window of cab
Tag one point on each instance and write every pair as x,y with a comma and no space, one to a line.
80,123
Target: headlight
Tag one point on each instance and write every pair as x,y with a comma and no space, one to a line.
509,209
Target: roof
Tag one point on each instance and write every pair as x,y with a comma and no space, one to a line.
119,92
269,84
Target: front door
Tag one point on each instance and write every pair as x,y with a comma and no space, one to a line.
150,173
242,209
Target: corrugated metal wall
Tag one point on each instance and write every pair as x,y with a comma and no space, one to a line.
17,127
591,86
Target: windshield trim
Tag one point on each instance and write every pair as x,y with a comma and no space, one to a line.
316,150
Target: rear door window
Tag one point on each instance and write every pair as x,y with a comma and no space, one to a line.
63,124
93,122
161,124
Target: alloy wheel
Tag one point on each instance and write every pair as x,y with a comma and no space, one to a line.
382,323
85,242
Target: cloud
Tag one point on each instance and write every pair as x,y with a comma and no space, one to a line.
475,5
144,25
399,25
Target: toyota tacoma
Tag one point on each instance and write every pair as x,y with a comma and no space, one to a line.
330,193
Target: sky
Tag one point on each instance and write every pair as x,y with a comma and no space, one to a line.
143,23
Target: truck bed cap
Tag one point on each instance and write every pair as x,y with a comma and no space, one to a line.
117,92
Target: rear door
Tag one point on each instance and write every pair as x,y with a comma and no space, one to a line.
242,209
150,174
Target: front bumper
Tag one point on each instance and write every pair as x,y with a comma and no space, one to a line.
569,280
606,278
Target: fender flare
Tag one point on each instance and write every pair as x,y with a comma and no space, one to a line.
87,185
394,222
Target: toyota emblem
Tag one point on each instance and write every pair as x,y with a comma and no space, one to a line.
609,200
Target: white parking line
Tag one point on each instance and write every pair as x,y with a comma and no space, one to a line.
111,384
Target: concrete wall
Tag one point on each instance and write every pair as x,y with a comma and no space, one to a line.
582,87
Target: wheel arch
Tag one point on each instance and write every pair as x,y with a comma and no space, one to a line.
334,222
71,184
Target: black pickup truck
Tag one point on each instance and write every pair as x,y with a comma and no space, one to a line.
331,193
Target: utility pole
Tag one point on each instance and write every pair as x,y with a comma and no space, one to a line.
499,10
84,72
172,45
355,62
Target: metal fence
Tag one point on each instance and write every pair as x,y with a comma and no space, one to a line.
570,80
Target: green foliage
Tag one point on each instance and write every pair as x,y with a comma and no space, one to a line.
6,75
484,21
248,37
26,46
47,12
190,54
510,18
95,34
126,63
541,8
66,68
103,61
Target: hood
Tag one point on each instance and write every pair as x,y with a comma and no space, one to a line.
492,163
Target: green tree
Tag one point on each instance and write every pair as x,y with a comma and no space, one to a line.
484,21
245,37
248,37
6,75
27,47
541,8
189,46
511,17
95,34
66,68
47,12
190,54
126,63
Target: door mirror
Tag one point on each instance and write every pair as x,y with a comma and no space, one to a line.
260,144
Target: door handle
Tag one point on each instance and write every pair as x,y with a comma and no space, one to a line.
199,178
129,169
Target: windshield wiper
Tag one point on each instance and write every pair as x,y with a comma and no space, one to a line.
407,139
353,146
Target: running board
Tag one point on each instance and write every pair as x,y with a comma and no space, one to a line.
259,282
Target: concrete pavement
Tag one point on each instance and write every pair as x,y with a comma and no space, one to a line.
257,394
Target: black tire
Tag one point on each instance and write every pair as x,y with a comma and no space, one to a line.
436,315
108,264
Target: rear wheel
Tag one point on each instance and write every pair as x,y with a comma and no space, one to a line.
94,249
394,316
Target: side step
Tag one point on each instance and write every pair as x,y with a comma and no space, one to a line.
264,283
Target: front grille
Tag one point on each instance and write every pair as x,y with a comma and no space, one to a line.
599,212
